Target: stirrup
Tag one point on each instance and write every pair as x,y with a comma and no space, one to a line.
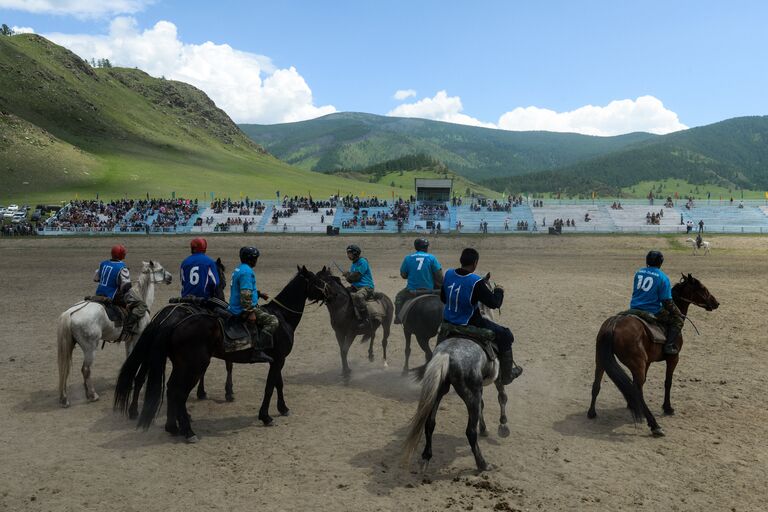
671,349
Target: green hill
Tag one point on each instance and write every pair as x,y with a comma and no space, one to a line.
68,129
356,141
731,154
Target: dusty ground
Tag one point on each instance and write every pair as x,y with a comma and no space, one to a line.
340,448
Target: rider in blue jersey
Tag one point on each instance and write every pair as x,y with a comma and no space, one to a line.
423,272
652,293
199,275
461,292
115,283
244,301
361,279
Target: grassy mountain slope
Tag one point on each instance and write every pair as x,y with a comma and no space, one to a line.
731,154
355,141
69,129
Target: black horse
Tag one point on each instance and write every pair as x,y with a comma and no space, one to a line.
423,320
345,324
190,341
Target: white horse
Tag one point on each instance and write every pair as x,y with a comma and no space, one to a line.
704,245
87,324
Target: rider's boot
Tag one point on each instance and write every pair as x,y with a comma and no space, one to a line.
258,355
670,347
508,370
130,327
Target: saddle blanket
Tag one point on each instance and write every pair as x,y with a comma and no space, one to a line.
656,332
375,306
412,302
115,313
483,337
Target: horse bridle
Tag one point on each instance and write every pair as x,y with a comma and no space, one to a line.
154,272
324,290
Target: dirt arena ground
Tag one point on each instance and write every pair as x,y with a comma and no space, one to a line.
340,448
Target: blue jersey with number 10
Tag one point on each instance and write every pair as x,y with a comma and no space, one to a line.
650,287
420,268
458,297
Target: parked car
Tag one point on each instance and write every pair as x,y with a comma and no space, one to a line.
36,215
18,217
13,208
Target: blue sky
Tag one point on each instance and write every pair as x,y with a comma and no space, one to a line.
705,61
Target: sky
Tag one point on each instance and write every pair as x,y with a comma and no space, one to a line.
593,67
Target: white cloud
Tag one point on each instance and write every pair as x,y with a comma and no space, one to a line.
22,30
77,8
644,114
440,108
247,86
402,94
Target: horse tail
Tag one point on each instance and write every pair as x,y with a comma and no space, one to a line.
65,343
607,359
435,376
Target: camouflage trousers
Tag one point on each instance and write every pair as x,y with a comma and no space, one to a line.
266,321
359,298
137,308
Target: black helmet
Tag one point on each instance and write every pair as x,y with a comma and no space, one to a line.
654,259
248,254
421,244
354,249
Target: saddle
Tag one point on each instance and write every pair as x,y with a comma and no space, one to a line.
375,305
483,337
116,313
417,296
237,334
654,331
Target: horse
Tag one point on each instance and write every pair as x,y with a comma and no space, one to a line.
705,245
190,341
625,337
86,324
345,323
463,364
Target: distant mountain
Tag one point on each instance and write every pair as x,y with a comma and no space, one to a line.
356,141
67,128
731,154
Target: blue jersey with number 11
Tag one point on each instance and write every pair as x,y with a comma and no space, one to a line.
458,297
650,287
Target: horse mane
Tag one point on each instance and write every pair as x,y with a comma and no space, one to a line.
146,292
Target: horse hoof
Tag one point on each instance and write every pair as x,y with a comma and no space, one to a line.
371,358
503,431
202,396
94,398
483,433
64,403
669,412
484,466
268,421
657,432
192,439
591,414
386,364
172,429
230,398
287,412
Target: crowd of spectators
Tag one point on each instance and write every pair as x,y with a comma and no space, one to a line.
617,206
246,207
654,218
123,215
24,228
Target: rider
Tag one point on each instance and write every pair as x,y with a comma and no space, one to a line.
199,275
652,293
423,272
114,281
361,279
699,240
460,295
244,301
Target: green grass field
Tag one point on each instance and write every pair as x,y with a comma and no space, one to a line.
668,187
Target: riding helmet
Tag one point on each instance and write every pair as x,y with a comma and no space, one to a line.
421,244
198,245
248,254
354,250
654,259
118,252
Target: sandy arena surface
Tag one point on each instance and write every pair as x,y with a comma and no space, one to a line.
340,448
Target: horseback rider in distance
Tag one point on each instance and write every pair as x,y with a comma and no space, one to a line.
199,274
461,295
244,300
360,278
652,293
114,280
423,272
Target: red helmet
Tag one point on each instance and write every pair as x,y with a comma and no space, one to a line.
118,252
198,245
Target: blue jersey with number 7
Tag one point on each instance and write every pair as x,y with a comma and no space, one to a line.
420,268
650,287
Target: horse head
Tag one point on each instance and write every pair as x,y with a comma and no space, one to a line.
692,290
333,283
156,272
222,270
316,288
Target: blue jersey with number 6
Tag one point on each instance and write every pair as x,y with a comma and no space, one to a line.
420,268
650,287
199,276
458,297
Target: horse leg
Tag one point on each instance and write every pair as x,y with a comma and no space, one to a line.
88,357
187,384
370,344
671,365
429,426
599,371
229,394
138,382
384,342
201,394
503,427
483,429
281,405
424,344
638,377
268,390
345,341
407,350
171,418
473,399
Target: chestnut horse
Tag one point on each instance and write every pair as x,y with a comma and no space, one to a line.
626,338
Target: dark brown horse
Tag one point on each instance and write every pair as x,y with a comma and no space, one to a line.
625,337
